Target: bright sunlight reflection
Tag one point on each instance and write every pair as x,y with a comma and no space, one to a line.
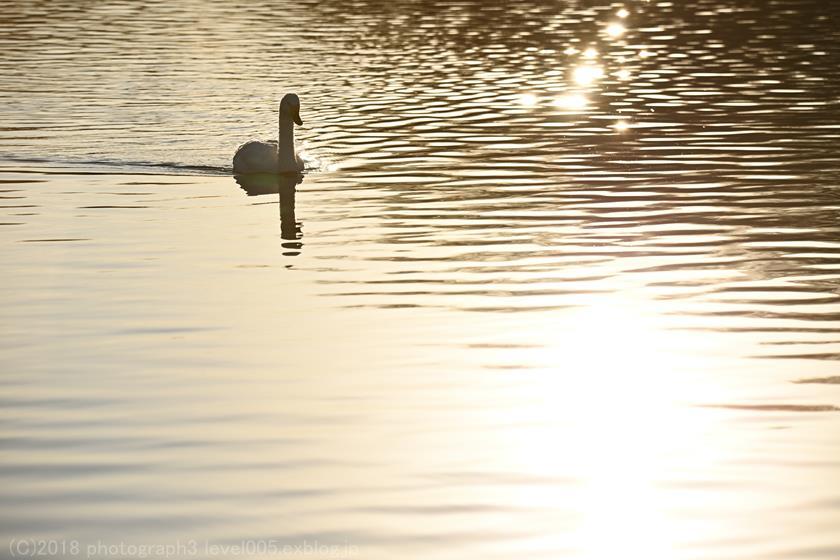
587,74
528,99
610,411
571,102
615,30
622,13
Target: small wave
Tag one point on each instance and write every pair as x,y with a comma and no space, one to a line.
90,167
777,407
72,166
834,380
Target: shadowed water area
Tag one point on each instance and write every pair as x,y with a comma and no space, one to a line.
562,279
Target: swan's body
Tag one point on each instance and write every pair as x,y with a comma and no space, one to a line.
273,157
264,157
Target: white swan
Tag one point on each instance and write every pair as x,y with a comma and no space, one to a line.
273,157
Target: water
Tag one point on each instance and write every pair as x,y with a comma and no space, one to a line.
530,299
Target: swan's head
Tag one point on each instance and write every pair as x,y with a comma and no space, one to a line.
290,108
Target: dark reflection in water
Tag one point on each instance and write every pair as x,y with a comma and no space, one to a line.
284,186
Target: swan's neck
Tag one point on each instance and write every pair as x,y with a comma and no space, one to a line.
286,146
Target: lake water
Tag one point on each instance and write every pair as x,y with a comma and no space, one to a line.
562,280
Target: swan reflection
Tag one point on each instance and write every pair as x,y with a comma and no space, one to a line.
284,186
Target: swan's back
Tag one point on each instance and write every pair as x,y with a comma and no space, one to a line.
256,157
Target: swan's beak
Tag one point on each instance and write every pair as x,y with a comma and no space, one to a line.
296,115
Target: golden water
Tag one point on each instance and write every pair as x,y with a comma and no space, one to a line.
561,281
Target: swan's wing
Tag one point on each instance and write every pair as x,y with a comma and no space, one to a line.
256,157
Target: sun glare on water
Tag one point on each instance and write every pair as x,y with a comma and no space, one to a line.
609,409
587,74
571,102
615,30
528,99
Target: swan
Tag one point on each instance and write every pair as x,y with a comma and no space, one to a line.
273,157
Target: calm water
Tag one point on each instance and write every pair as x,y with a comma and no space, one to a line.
562,281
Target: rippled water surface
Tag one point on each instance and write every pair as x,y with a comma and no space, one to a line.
562,279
